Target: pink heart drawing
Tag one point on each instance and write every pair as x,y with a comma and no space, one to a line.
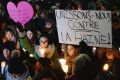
22,13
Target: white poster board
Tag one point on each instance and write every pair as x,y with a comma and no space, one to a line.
93,27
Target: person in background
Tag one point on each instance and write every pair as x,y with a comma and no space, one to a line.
10,34
31,36
84,48
78,5
83,68
39,20
44,51
46,75
72,51
17,70
7,48
102,5
2,13
48,56
112,58
34,66
51,30
15,53
92,5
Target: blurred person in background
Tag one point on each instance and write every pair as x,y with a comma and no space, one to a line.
7,48
112,58
46,75
17,70
84,68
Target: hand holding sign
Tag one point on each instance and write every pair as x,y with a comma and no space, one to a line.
22,13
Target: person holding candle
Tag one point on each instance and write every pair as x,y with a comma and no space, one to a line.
48,56
111,57
70,55
38,50
45,52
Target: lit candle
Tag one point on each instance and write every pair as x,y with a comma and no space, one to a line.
42,51
65,68
62,61
3,64
105,67
94,50
62,50
63,65
119,49
24,49
31,55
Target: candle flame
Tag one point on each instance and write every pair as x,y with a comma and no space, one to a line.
42,51
62,61
3,64
105,67
65,68
31,55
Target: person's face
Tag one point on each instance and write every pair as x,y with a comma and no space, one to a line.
3,26
43,42
48,25
9,35
6,53
79,7
42,15
71,50
103,8
109,55
37,7
29,34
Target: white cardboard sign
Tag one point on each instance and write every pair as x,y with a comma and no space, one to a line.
93,27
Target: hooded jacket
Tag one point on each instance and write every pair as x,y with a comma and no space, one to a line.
24,76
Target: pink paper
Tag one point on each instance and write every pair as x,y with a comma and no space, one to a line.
22,13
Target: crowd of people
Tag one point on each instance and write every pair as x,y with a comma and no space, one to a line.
32,51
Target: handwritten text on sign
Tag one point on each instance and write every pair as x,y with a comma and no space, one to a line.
94,27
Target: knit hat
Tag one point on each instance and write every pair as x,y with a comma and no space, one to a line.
16,66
